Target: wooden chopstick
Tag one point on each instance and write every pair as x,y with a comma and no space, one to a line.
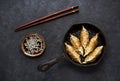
50,17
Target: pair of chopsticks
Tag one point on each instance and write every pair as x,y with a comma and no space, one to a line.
58,14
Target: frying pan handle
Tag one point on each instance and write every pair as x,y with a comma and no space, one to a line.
46,66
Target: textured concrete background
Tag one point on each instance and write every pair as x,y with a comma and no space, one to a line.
14,66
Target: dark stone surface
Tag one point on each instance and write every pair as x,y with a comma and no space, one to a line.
14,66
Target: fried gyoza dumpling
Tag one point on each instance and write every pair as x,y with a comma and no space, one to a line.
93,55
84,37
92,44
76,44
73,54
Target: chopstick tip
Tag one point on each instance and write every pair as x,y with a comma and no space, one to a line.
16,30
74,11
76,6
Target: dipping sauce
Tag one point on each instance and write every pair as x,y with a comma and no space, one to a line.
33,44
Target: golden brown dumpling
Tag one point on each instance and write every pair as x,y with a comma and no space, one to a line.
76,44
93,55
92,44
84,37
73,54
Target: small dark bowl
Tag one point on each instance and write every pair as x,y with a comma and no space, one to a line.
41,48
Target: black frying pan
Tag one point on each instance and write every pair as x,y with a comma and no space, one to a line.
75,30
